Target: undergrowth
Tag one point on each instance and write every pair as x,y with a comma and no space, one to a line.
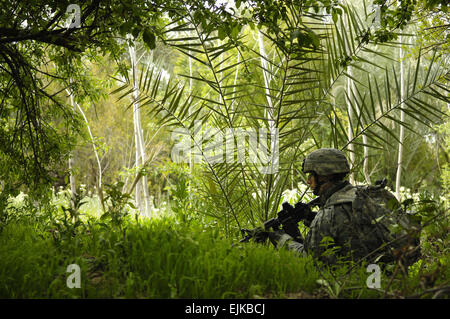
122,256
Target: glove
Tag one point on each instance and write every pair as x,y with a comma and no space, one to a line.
305,213
279,238
258,234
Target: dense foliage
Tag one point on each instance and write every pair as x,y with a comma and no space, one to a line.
131,112
169,257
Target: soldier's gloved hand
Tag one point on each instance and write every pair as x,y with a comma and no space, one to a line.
260,235
305,213
279,238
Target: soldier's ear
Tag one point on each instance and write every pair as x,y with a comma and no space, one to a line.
322,178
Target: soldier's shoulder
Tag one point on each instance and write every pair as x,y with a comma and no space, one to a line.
345,195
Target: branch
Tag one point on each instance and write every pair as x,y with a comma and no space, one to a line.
55,37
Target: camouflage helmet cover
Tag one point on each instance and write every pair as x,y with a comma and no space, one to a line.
326,161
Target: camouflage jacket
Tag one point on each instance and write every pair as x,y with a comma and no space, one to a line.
342,229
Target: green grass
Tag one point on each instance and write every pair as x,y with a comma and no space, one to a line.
162,258
154,259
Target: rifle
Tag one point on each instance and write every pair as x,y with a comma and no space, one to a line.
288,219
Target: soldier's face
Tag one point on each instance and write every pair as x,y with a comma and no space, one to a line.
312,182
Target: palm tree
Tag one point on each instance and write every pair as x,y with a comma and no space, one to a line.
291,92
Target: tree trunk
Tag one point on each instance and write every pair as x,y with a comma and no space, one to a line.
351,101
350,127
191,163
73,187
272,160
402,129
100,173
273,163
142,202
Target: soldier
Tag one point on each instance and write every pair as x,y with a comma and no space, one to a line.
349,224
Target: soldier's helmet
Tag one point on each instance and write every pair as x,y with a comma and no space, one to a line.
326,161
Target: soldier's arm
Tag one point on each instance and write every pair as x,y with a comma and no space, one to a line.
327,230
281,239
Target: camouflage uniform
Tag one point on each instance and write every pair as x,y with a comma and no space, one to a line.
348,221
341,227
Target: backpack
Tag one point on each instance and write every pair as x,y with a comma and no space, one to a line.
382,223
380,195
